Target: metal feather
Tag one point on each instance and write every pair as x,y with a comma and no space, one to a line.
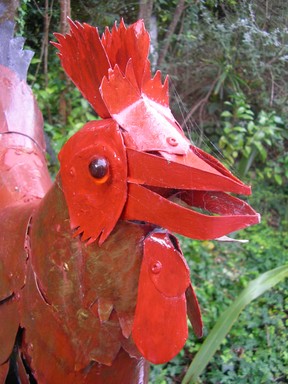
12,54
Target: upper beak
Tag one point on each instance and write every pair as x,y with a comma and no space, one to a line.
164,188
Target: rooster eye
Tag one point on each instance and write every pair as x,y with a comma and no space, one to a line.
99,169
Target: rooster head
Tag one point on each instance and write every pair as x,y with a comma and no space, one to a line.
136,163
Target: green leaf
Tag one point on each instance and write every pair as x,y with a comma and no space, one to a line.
262,151
226,114
220,83
240,110
278,120
247,116
35,60
238,128
278,179
217,335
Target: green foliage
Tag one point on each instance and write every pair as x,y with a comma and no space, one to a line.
247,140
223,325
20,17
162,8
241,48
102,13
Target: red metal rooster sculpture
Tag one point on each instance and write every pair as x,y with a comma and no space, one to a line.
91,287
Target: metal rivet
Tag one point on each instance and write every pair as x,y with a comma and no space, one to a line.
156,267
172,141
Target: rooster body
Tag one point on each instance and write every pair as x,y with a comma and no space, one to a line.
50,282
92,288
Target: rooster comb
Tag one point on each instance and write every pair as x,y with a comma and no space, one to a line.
118,59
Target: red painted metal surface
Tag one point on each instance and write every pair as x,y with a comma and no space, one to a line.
90,282
98,204
161,304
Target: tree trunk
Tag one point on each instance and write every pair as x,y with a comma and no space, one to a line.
145,12
45,45
177,14
64,107
65,11
153,42
8,9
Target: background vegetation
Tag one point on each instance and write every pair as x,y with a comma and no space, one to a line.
228,65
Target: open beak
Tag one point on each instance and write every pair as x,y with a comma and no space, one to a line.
187,194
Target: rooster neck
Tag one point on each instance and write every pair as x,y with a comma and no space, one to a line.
82,282
57,253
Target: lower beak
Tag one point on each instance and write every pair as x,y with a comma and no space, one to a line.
176,192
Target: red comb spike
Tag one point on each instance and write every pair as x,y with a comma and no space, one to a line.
61,39
121,24
157,92
112,44
117,85
130,74
105,36
138,42
85,62
123,44
56,45
147,73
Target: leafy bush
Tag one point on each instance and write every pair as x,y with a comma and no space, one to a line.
224,49
247,140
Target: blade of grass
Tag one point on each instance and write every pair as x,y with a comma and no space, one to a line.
216,336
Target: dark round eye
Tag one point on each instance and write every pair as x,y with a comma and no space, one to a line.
99,168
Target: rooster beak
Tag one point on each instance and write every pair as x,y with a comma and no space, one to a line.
187,194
